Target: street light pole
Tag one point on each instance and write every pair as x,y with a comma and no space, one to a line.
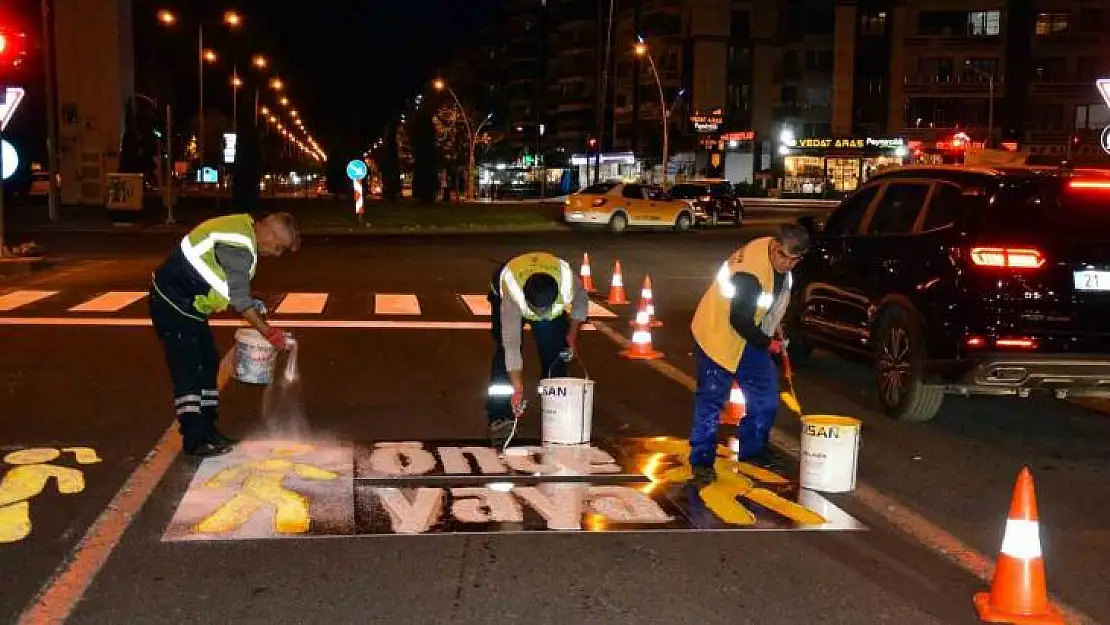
471,136
200,112
642,50
51,110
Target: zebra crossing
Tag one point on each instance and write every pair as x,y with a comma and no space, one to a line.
52,303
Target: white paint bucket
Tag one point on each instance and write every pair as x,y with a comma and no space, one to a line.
254,357
830,453
567,406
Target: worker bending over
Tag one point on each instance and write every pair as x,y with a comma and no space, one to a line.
733,328
541,289
210,269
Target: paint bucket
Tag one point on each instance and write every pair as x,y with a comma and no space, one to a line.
567,406
254,357
830,453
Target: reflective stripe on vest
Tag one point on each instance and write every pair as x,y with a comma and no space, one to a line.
193,253
765,299
516,291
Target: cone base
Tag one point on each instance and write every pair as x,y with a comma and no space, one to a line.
617,302
654,323
633,354
990,614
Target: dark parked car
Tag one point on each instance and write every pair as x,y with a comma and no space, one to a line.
963,280
714,201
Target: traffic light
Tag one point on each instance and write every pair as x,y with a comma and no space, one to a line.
12,48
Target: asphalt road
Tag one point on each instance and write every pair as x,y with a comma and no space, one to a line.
104,388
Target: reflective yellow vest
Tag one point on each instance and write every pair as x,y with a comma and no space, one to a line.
517,271
199,248
711,327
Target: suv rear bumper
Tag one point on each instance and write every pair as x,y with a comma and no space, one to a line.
1074,375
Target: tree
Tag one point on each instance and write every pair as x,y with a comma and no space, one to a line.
390,166
425,155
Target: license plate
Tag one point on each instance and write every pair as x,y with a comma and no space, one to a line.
1090,280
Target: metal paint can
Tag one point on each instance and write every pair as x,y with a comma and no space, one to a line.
830,453
567,407
254,357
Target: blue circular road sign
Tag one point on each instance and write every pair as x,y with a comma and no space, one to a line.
356,170
11,160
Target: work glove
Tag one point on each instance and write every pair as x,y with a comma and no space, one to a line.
259,305
278,338
518,401
775,347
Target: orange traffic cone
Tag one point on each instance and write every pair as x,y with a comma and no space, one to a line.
616,287
1018,591
736,408
643,316
587,275
641,345
645,296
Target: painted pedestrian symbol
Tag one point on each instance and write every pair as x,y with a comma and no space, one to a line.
263,489
735,481
32,470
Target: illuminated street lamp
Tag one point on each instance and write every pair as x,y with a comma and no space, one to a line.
232,19
284,101
276,84
472,134
265,110
167,17
641,49
210,56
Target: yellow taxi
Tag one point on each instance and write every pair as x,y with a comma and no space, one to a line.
619,206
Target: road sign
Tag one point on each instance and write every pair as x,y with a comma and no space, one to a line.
356,170
1103,85
10,159
12,97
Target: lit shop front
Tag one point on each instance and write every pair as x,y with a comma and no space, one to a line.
836,166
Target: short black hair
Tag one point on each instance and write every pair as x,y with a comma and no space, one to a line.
289,223
793,238
540,291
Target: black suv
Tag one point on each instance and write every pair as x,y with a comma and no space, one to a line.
714,201
963,280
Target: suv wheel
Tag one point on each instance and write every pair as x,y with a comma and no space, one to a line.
900,369
618,223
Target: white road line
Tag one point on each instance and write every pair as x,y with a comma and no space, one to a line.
357,324
15,299
112,301
396,304
302,304
598,311
478,305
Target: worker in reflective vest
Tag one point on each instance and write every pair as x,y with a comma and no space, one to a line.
208,271
540,289
733,328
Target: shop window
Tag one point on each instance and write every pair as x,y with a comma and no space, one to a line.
843,173
846,219
943,208
803,175
898,208
1049,24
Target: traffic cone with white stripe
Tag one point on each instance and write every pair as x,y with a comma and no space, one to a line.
1018,591
641,348
736,407
616,287
587,275
645,297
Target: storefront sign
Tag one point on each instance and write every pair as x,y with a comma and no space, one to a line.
886,143
707,122
743,135
828,142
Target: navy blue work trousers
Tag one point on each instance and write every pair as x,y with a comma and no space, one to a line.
758,379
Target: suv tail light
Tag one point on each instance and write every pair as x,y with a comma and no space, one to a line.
1088,184
1007,257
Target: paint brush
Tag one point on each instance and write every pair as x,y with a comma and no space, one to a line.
790,398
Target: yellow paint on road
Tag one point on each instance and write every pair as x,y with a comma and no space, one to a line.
302,304
32,470
478,305
262,486
396,304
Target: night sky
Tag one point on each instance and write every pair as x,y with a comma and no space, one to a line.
348,65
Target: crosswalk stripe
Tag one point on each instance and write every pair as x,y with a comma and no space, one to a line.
396,304
478,305
112,301
302,304
15,299
599,311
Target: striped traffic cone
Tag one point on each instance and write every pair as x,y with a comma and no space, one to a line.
587,275
616,287
736,407
649,306
643,316
641,348
1018,591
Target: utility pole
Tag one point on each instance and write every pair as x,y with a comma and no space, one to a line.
51,107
